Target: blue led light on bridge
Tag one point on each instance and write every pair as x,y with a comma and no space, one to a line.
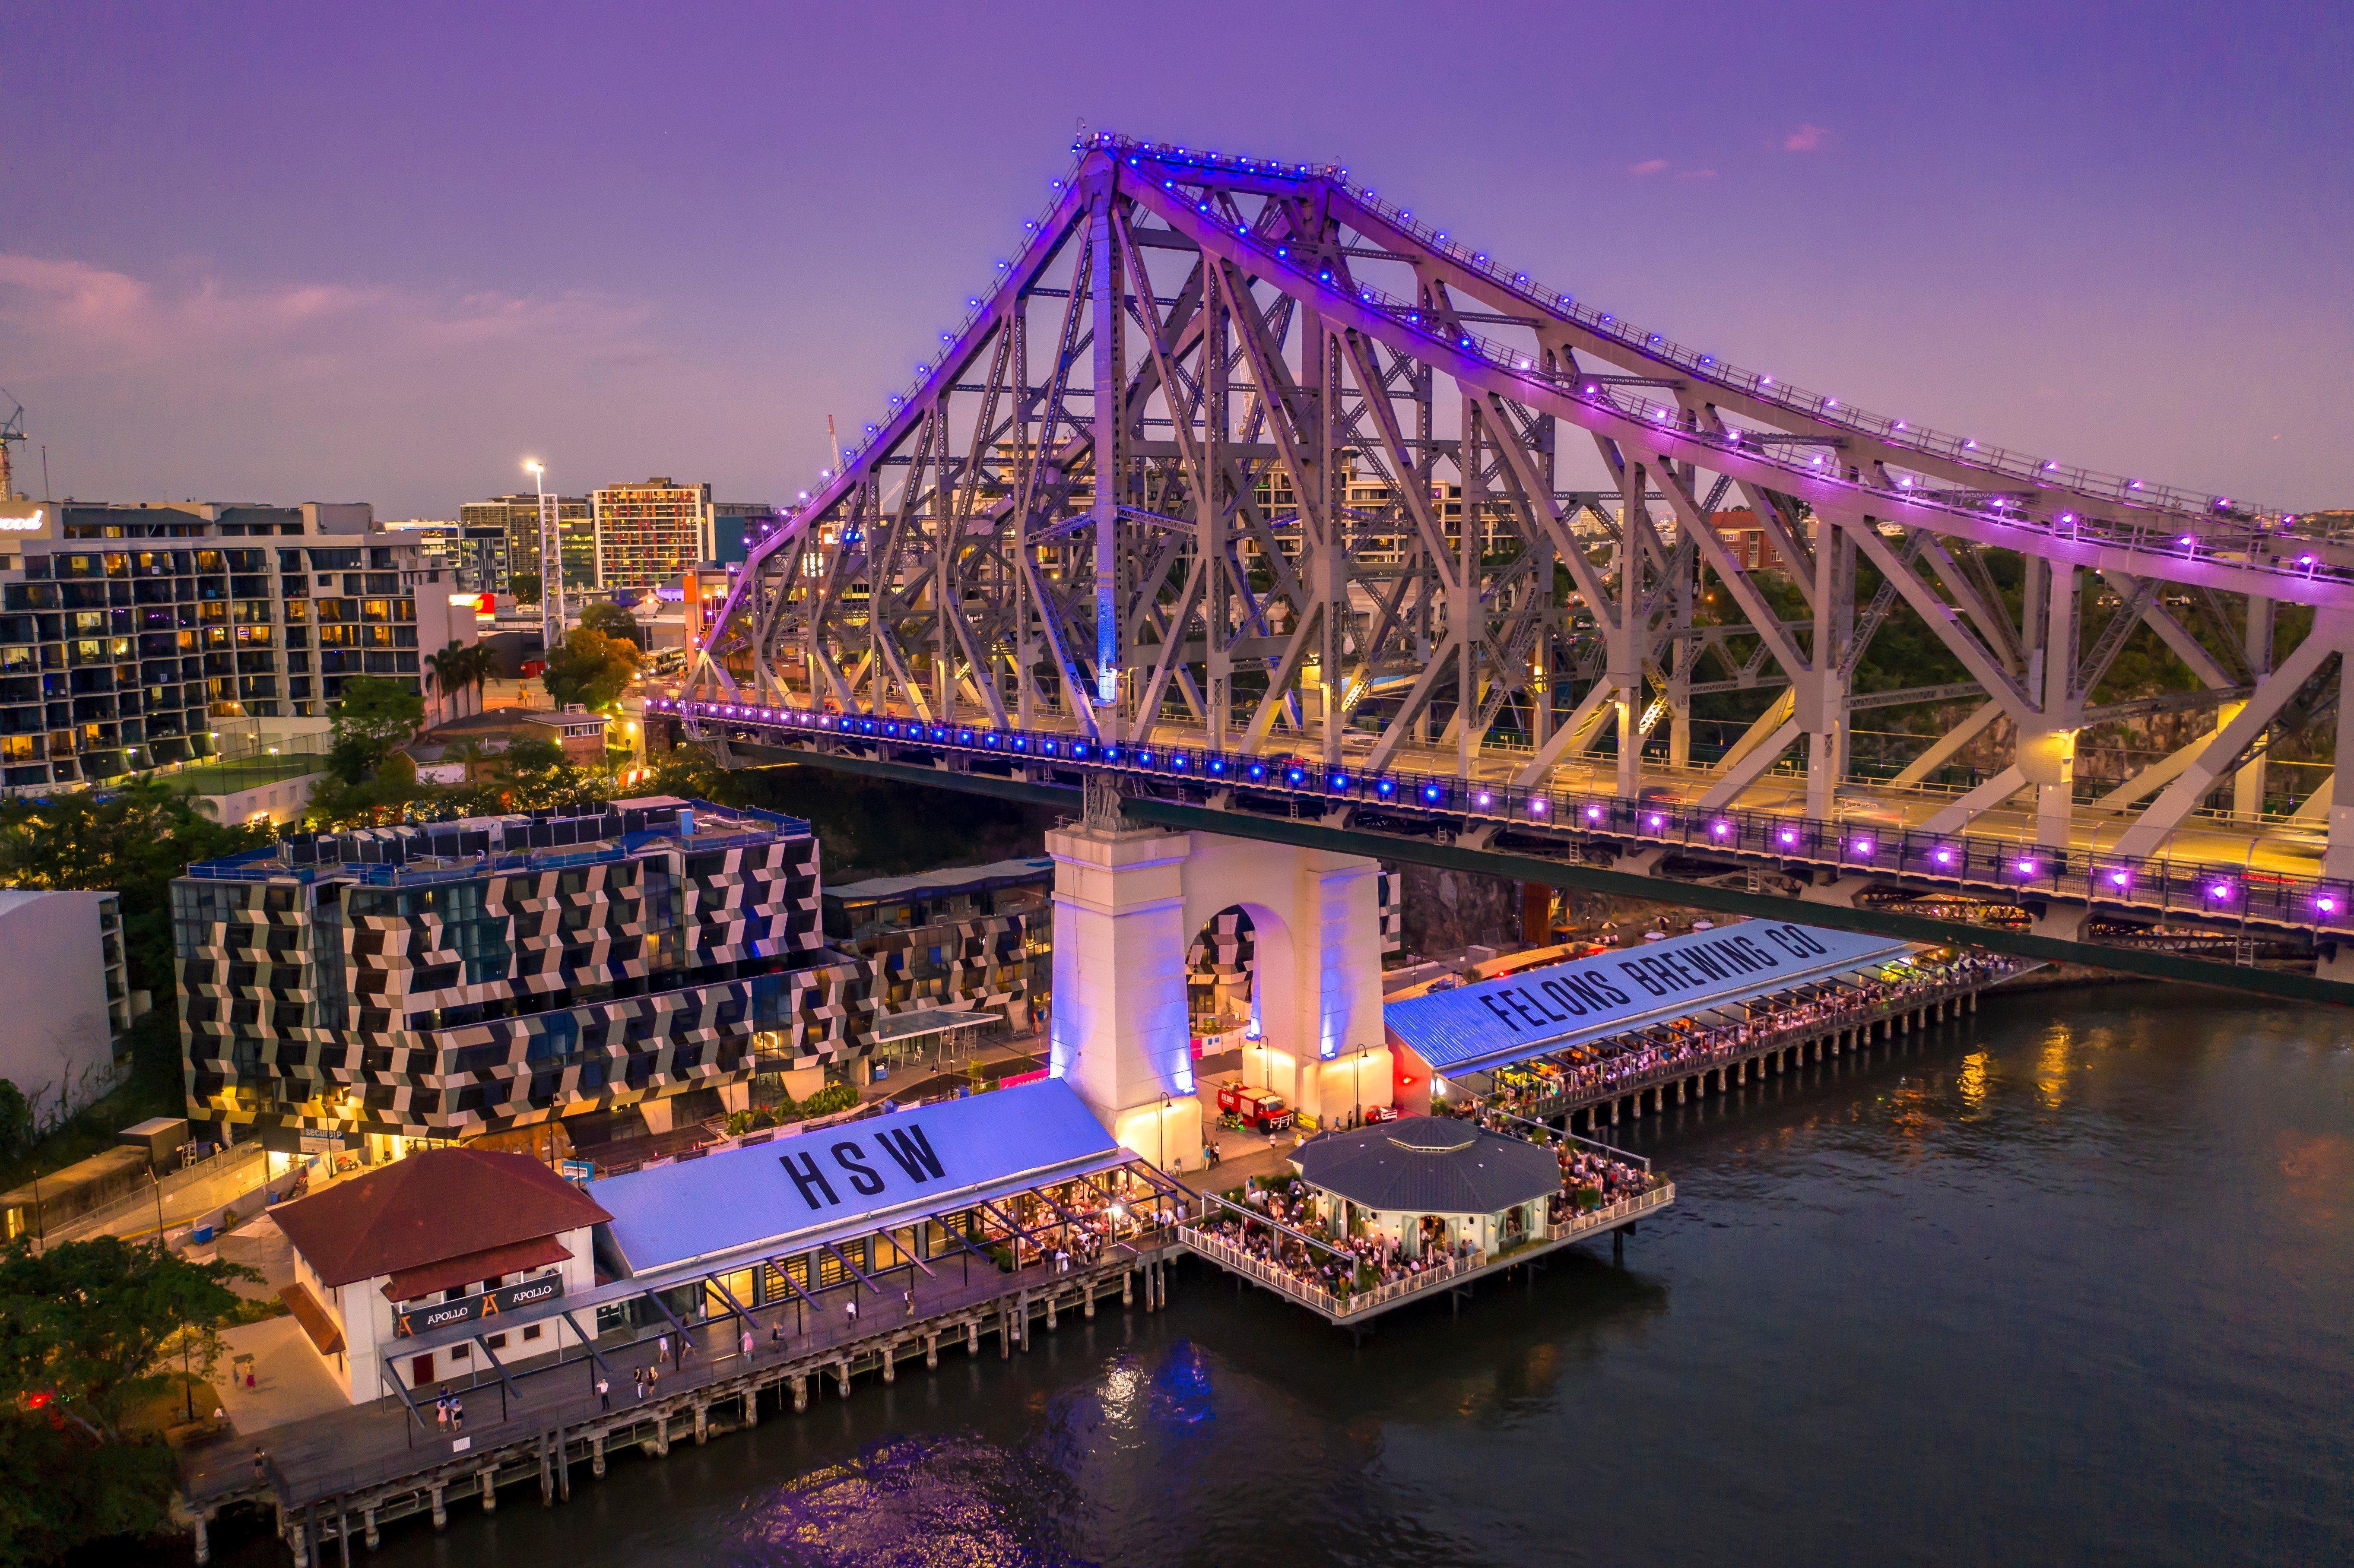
1114,755
964,738
1218,766
1433,793
1340,781
1177,763
1596,811
1047,746
1537,806
1860,849
1144,759
1258,772
1295,777
989,740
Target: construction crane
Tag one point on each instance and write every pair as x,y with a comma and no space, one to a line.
12,430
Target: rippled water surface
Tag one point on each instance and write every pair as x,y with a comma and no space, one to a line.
2072,1283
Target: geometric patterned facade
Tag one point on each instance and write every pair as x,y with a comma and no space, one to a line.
444,981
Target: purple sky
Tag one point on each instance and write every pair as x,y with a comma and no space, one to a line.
282,253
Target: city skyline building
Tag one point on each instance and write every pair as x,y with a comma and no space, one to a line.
648,533
128,631
516,517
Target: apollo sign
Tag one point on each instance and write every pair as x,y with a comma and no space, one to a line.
486,1304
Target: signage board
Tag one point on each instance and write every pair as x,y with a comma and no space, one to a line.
317,1142
577,1169
1523,1015
482,1304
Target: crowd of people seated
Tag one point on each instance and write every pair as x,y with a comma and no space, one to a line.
1344,1266
1527,1087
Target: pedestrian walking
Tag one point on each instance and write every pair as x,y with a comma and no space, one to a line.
911,1303
849,1309
685,1350
604,1393
748,1341
638,1384
260,1465
776,1335
457,1414
441,1412
654,1376
662,1349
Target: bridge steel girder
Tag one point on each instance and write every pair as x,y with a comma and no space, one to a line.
1263,521
1481,859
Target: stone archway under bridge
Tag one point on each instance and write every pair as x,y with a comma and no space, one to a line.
1128,903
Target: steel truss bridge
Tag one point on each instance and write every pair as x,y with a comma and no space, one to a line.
1306,518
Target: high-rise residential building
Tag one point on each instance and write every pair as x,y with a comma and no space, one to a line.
475,554
517,518
498,978
128,631
648,533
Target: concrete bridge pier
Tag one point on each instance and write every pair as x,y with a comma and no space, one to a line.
367,1523
890,1363
200,1527
661,1436
842,1375
1127,1287
800,1392
597,1453
1050,1311
701,1424
932,1351
972,1337
489,1490
751,1408
440,1509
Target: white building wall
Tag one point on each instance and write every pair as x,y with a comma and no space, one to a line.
56,1034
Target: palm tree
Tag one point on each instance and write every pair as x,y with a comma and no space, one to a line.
479,665
446,672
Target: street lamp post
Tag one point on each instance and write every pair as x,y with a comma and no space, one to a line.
551,566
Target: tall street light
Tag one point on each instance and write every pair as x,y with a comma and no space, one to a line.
551,566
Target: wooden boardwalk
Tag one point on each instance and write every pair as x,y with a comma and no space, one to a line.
346,1473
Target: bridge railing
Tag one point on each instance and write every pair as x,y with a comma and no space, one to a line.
2212,891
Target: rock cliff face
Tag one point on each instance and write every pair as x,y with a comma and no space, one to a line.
1444,911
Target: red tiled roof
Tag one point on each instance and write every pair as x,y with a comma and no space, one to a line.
512,1258
431,1207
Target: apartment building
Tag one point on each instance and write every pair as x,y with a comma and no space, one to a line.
650,532
534,981
515,518
127,631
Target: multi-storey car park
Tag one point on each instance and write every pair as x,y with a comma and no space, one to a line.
507,978
128,631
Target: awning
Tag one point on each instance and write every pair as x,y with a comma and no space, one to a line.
926,1020
324,1331
1535,1012
858,1175
450,1273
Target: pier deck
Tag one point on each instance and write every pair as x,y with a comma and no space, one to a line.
349,1471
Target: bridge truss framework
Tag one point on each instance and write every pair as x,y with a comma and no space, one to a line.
1235,457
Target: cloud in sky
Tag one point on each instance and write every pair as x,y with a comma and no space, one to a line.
324,391
1650,167
1697,175
1806,138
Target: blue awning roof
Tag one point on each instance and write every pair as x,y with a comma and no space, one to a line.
1513,1017
885,1170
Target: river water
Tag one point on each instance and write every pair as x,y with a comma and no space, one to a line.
2070,1283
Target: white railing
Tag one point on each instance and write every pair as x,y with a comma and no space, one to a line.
1284,1282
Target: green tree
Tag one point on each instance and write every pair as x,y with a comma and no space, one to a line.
374,717
590,668
614,621
524,586
16,1120
83,1331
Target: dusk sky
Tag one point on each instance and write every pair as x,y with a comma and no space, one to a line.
301,252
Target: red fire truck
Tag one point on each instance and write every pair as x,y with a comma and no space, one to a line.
1260,1109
